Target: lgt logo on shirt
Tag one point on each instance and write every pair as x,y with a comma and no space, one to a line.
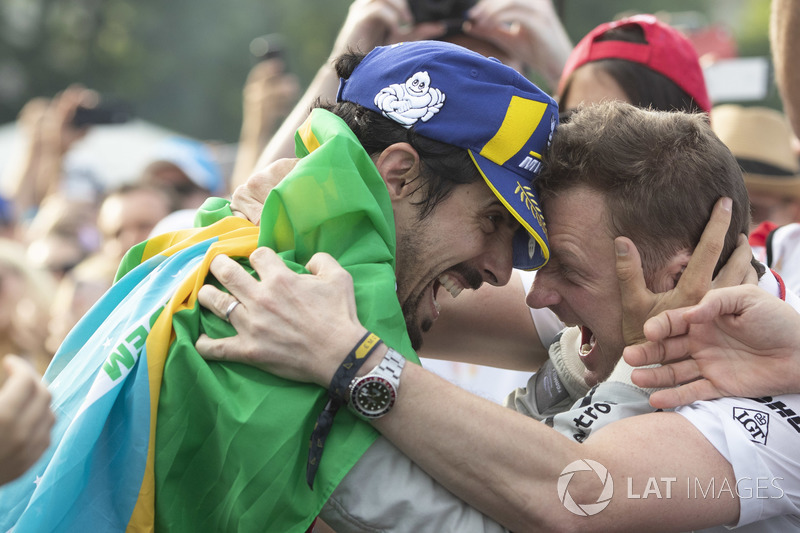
754,422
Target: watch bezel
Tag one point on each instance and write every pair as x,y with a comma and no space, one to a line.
372,413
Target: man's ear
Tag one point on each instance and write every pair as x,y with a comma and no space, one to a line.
666,278
398,164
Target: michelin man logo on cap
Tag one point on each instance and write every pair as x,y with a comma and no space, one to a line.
447,93
411,101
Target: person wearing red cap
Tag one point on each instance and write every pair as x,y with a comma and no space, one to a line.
639,60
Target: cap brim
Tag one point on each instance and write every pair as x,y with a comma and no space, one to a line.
531,250
788,187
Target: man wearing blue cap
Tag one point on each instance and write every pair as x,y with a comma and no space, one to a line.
613,171
419,178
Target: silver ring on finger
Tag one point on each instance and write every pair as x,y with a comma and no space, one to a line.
230,309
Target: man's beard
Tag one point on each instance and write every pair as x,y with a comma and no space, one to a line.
414,329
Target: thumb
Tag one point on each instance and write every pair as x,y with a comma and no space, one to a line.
632,286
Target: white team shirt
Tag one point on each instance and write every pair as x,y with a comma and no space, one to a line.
760,438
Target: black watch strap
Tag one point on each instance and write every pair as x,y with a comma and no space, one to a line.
336,398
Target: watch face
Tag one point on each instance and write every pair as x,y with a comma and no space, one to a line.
373,396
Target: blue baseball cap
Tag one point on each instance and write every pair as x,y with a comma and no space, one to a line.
453,95
195,159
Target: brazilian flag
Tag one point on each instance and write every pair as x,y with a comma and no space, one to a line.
149,436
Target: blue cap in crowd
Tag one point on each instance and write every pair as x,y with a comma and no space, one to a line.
453,95
195,159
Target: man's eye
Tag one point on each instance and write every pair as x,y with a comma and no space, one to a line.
569,275
494,221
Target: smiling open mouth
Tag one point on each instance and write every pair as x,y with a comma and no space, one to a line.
587,341
450,284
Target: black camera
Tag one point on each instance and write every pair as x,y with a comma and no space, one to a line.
103,113
439,10
270,46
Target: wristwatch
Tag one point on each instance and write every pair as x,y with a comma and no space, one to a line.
374,394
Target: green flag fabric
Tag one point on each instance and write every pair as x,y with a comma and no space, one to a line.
231,442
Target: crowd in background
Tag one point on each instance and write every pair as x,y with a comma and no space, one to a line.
62,241
63,235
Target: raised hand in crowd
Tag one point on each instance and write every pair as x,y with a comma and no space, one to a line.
369,23
25,418
784,40
738,341
527,30
50,133
268,96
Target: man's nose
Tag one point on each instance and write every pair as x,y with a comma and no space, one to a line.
497,264
542,293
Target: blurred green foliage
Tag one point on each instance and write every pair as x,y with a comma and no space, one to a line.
182,63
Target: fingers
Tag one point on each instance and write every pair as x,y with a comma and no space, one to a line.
717,303
696,279
325,266
670,323
662,349
233,276
214,299
235,279
669,375
212,349
267,264
738,269
637,300
684,395
248,199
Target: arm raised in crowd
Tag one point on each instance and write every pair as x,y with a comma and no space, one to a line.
785,40
267,99
49,134
369,23
527,30
25,418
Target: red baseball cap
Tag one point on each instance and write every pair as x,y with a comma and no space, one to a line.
666,51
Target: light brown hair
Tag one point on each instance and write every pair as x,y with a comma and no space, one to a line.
659,172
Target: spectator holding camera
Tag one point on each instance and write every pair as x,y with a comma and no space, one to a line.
521,34
49,132
268,96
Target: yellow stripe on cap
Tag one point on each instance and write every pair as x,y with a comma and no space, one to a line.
522,118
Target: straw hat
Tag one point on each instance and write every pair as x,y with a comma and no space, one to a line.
760,139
